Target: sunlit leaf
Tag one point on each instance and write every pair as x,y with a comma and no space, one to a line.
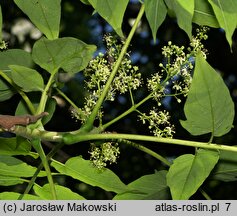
15,196
209,107
225,16
26,78
155,12
188,172
45,14
229,6
148,187
183,10
62,193
83,170
70,54
10,57
14,169
204,14
112,11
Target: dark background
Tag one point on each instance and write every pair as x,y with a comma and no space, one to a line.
78,22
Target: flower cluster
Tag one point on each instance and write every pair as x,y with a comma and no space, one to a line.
107,153
3,45
158,123
176,71
196,45
174,79
98,72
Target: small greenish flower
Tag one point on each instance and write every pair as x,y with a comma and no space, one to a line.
106,153
3,45
159,123
98,72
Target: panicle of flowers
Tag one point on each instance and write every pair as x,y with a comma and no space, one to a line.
177,69
196,45
98,71
105,153
82,113
159,123
173,79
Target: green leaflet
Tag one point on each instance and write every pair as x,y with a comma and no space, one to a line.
112,11
155,12
12,169
63,193
27,78
45,14
188,172
226,16
12,57
148,187
204,15
84,171
184,10
14,196
229,6
70,54
209,107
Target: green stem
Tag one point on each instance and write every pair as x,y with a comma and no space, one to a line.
68,100
205,194
38,147
127,112
146,150
32,181
71,138
44,96
89,123
23,95
131,97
